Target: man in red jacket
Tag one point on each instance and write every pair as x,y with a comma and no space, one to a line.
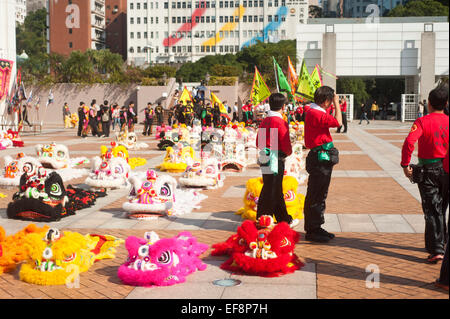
273,140
320,160
343,106
431,133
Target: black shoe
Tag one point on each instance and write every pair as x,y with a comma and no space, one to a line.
323,232
317,237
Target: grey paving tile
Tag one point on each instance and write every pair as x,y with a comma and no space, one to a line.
187,290
417,222
234,192
332,223
159,223
220,225
258,291
120,223
356,223
391,223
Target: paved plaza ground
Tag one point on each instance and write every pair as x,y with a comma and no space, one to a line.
372,208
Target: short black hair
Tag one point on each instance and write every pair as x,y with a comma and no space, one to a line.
105,102
323,94
81,103
276,101
438,97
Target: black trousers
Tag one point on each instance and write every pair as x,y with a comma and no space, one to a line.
148,127
271,200
235,117
94,127
317,191
344,123
434,194
80,126
105,128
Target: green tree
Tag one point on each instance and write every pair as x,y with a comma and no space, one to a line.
78,68
157,71
420,8
355,86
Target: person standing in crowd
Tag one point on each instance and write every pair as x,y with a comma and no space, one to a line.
363,114
86,120
159,113
247,111
148,122
431,133
271,200
442,281
93,123
131,117
106,119
374,110
235,112
343,106
123,118
189,113
420,109
25,114
216,114
170,115
80,118
425,109
320,160
115,114
66,113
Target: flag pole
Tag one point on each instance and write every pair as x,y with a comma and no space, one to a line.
276,75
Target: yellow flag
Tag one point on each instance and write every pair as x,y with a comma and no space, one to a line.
260,91
185,96
316,77
214,100
306,86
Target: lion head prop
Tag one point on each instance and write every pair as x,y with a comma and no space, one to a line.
177,159
121,151
261,248
108,172
294,201
161,262
151,196
54,256
12,250
295,163
43,197
205,174
129,140
15,168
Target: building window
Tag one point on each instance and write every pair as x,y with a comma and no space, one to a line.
250,18
213,3
131,35
283,18
174,19
138,35
70,30
138,49
208,19
261,3
244,34
270,3
226,19
131,50
166,19
276,18
70,45
213,19
138,20
244,19
244,4
145,5
269,18
145,35
138,6
131,6
184,5
145,20
178,19
221,19
131,20
213,48
174,5
261,18
178,5
166,5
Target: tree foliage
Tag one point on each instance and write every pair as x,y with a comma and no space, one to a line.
420,8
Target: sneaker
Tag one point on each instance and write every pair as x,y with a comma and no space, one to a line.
294,223
433,259
317,237
323,232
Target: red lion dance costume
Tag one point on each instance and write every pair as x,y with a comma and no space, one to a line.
261,248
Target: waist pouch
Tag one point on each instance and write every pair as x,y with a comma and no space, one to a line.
418,172
269,159
327,153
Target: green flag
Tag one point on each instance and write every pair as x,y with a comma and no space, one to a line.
283,84
306,86
260,91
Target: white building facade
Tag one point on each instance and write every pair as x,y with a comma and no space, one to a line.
21,11
182,31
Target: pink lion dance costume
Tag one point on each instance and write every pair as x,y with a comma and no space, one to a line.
261,248
161,262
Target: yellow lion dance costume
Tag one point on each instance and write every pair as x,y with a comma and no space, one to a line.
54,257
294,201
177,159
12,251
121,151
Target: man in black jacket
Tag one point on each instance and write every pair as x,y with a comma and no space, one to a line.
363,114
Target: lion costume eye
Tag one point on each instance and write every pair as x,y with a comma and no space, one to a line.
55,189
60,154
104,165
118,169
47,253
143,251
289,196
27,167
165,258
165,190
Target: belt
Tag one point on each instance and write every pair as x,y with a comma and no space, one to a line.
428,161
324,147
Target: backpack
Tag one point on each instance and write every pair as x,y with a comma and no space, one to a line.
105,116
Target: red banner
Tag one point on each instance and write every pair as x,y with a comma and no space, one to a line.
5,76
